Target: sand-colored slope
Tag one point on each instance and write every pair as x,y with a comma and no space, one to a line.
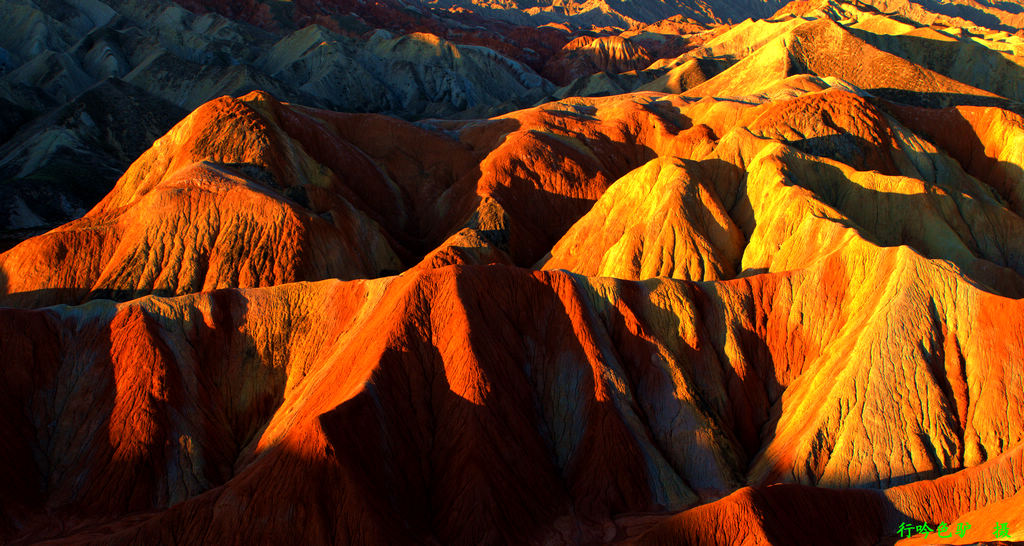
523,180
826,49
740,205
682,76
974,61
684,232
987,142
974,14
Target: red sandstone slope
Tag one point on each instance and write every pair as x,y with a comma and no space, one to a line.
299,194
779,309
507,419
200,211
844,225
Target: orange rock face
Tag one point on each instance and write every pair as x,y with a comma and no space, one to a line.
781,305
308,195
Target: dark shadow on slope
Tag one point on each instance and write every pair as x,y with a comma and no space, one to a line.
713,66
76,153
364,177
652,381
941,100
46,297
938,55
550,391
777,514
604,84
459,472
849,149
751,413
478,463
126,435
942,365
528,242
583,112
542,209
998,274
956,137
968,12
27,359
92,420
1009,7
730,185
759,357
852,511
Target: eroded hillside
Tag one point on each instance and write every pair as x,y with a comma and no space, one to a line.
764,290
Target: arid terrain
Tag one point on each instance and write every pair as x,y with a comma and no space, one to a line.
462,272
